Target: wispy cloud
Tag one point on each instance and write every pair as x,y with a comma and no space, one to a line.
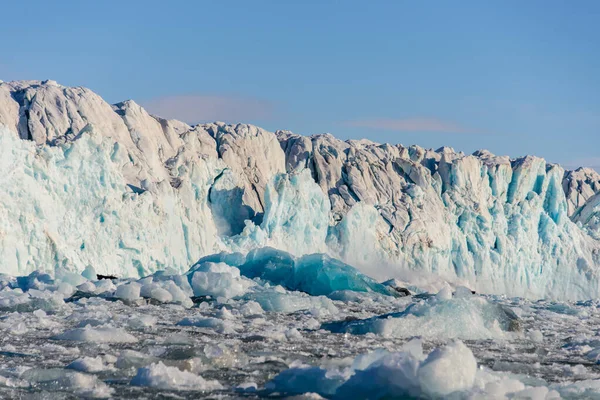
411,125
198,108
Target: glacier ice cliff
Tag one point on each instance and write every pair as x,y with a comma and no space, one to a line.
85,183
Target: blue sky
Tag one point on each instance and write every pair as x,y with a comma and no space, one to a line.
514,77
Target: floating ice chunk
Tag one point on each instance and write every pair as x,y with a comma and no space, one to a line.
177,294
178,338
65,380
319,274
35,280
534,393
218,280
87,287
463,291
224,313
146,280
292,302
133,359
217,324
97,335
66,289
128,291
499,388
71,278
382,375
89,273
233,259
276,266
447,369
305,380
315,274
251,308
156,292
14,300
586,389
171,378
391,375
147,286
104,286
88,364
142,321
183,283
293,334
13,382
15,324
43,299
247,387
464,318
445,293
536,336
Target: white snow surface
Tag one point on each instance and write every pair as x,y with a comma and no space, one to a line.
87,185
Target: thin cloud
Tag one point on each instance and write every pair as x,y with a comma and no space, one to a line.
198,108
410,125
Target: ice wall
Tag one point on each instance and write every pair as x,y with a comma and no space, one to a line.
86,183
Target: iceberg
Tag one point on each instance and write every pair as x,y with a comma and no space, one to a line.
315,274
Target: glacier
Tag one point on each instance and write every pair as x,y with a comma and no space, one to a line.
87,184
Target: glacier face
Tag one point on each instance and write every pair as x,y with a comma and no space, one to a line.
84,183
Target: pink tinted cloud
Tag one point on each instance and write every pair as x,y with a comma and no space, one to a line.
200,108
410,125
